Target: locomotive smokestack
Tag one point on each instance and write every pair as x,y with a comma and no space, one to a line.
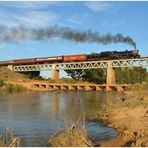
23,33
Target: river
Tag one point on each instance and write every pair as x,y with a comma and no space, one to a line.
35,116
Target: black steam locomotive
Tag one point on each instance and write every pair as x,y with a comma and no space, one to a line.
110,55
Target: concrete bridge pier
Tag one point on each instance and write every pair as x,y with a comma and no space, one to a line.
111,78
10,67
54,74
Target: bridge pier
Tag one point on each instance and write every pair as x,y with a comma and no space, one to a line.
108,88
54,74
10,67
120,88
111,78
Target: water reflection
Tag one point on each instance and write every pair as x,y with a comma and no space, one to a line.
35,116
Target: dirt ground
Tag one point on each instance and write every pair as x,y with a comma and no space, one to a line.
7,75
130,117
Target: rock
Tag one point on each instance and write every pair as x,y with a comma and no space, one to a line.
145,98
146,114
138,143
141,143
110,125
141,98
135,133
141,133
144,143
133,144
128,135
122,99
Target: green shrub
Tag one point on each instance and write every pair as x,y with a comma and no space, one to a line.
1,83
39,78
51,80
14,88
19,88
9,87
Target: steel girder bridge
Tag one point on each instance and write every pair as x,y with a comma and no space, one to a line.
140,62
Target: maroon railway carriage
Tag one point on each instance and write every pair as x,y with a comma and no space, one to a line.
4,63
38,60
32,60
50,59
23,61
75,58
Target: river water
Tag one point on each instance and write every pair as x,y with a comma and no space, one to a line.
35,116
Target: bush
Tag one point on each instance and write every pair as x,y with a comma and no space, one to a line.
19,88
39,78
9,87
14,88
1,83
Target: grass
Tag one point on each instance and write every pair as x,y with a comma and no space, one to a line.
7,140
73,139
74,135
138,95
1,83
6,75
13,88
67,81
145,103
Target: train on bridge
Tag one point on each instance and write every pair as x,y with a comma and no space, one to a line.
107,55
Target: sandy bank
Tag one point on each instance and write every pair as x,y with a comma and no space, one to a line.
129,116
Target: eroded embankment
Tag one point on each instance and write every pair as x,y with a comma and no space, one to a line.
129,116
7,75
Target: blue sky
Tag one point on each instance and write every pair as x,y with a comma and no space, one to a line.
127,18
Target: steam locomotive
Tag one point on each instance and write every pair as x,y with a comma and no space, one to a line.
107,55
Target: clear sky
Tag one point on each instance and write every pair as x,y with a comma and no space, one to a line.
127,18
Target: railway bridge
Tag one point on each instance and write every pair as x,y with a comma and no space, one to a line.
110,65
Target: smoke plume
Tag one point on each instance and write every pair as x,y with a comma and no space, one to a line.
23,33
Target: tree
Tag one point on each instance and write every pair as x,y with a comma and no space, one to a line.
32,74
90,75
123,75
131,75
75,74
95,75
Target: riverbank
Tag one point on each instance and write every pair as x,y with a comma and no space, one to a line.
7,75
10,88
129,116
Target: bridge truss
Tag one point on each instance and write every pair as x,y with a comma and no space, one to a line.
141,62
